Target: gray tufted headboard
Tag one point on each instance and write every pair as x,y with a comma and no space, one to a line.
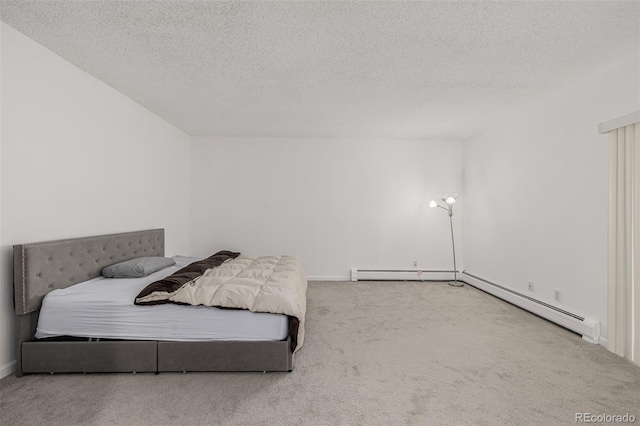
43,267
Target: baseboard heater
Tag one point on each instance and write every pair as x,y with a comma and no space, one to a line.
400,275
587,327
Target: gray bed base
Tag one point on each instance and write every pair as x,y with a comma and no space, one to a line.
43,267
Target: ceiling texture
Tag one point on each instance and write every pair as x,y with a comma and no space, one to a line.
332,69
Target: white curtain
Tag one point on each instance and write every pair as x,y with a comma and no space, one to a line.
623,304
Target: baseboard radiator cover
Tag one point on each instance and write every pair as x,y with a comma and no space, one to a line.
587,327
400,275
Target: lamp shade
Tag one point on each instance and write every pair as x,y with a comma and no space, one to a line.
433,204
451,200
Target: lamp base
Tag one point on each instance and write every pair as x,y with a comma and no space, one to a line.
456,283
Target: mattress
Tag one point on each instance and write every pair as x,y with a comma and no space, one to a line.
103,308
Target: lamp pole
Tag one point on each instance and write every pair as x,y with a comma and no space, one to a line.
449,202
455,282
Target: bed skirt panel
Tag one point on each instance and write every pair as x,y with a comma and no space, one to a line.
225,356
152,356
89,357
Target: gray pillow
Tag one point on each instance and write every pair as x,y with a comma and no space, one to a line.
137,268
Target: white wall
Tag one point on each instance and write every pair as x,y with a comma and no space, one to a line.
334,203
536,185
5,290
78,159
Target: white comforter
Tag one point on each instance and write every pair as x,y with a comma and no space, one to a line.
272,284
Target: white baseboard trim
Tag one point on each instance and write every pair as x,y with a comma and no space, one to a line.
7,369
588,328
358,274
328,278
602,341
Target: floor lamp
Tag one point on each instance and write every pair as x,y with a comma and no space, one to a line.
449,202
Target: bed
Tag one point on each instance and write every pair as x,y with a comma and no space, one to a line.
250,341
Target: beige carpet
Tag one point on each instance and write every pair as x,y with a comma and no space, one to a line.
375,354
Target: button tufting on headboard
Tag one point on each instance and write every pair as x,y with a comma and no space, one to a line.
42,267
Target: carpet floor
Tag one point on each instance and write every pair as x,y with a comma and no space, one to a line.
376,353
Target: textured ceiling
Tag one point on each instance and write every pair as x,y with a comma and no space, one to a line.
332,69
